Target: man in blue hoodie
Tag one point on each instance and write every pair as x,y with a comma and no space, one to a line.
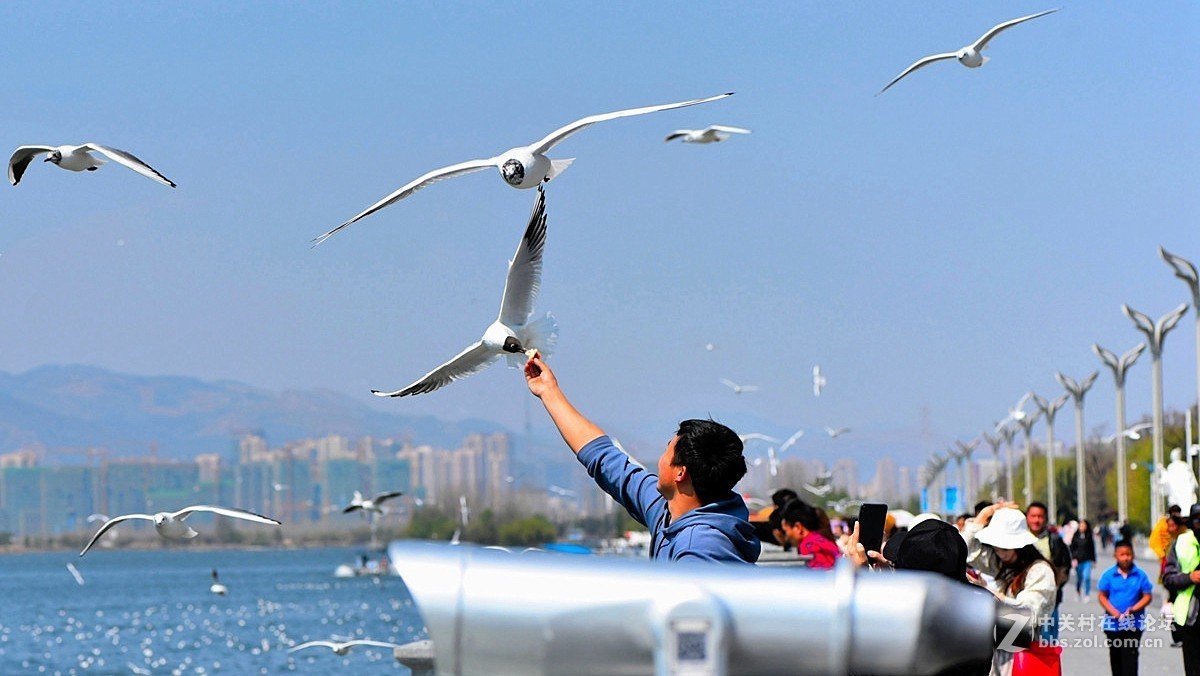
690,507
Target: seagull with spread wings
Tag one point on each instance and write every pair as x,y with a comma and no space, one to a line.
738,389
970,56
375,504
835,432
79,158
342,648
713,133
512,333
171,525
521,167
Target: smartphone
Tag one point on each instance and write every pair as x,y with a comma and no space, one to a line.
870,525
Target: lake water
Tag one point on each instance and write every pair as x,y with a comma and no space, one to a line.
151,611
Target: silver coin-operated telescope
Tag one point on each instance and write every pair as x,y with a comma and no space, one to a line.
495,612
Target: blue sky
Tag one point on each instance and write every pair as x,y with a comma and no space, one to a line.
939,249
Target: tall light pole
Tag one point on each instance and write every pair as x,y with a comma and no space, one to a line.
1119,365
1077,391
1187,272
1007,431
1156,333
994,443
1050,409
957,457
1027,422
965,450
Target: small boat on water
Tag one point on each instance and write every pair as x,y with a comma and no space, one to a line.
365,566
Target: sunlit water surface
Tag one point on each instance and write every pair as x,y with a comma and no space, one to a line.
152,612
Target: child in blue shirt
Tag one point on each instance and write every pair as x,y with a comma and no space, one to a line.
1125,591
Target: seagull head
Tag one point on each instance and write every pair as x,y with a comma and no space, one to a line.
512,345
513,172
54,156
159,519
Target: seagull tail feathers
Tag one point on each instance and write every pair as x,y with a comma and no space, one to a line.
540,334
557,167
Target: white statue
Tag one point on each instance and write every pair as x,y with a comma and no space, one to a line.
1178,482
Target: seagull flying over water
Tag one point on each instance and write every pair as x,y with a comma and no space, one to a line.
370,505
738,389
171,525
713,133
512,333
342,648
79,158
970,56
521,167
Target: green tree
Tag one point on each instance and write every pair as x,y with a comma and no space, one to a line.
530,531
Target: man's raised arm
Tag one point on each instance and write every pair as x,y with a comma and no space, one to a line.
575,429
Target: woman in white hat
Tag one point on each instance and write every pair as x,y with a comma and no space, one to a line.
1000,545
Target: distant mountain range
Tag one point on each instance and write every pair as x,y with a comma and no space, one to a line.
76,407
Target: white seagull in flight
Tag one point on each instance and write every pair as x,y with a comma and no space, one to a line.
512,332
791,441
342,648
374,504
171,524
835,433
970,56
714,133
818,380
521,167
738,389
79,158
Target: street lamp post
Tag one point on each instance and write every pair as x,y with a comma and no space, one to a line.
1049,409
1077,392
1007,431
965,451
994,444
1027,422
1188,273
1156,333
1119,365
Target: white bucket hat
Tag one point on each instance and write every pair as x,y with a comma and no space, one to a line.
1007,530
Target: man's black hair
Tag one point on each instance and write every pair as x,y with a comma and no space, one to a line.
783,496
803,514
1122,543
1038,503
712,454
1175,509
980,505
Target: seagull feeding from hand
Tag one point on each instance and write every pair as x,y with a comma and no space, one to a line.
374,504
970,56
738,389
521,167
512,333
171,525
79,158
342,648
818,380
835,433
713,133
217,588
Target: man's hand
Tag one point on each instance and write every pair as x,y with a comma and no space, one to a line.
539,377
1194,576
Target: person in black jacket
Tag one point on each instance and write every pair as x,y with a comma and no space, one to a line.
1083,555
1054,550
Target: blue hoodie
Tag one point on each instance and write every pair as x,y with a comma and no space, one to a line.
719,531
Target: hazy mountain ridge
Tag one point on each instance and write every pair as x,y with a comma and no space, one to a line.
77,406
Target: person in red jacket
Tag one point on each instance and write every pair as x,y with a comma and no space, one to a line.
802,524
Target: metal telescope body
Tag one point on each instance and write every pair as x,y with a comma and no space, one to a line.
494,612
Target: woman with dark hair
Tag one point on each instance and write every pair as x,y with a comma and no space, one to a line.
1083,554
1000,544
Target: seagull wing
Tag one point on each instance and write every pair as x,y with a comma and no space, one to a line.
109,524
791,440
468,362
558,135
525,268
225,511
351,508
386,496
127,159
997,29
678,133
919,64
20,160
729,383
728,130
378,644
409,188
313,644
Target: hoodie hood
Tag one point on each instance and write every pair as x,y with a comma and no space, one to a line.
718,526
